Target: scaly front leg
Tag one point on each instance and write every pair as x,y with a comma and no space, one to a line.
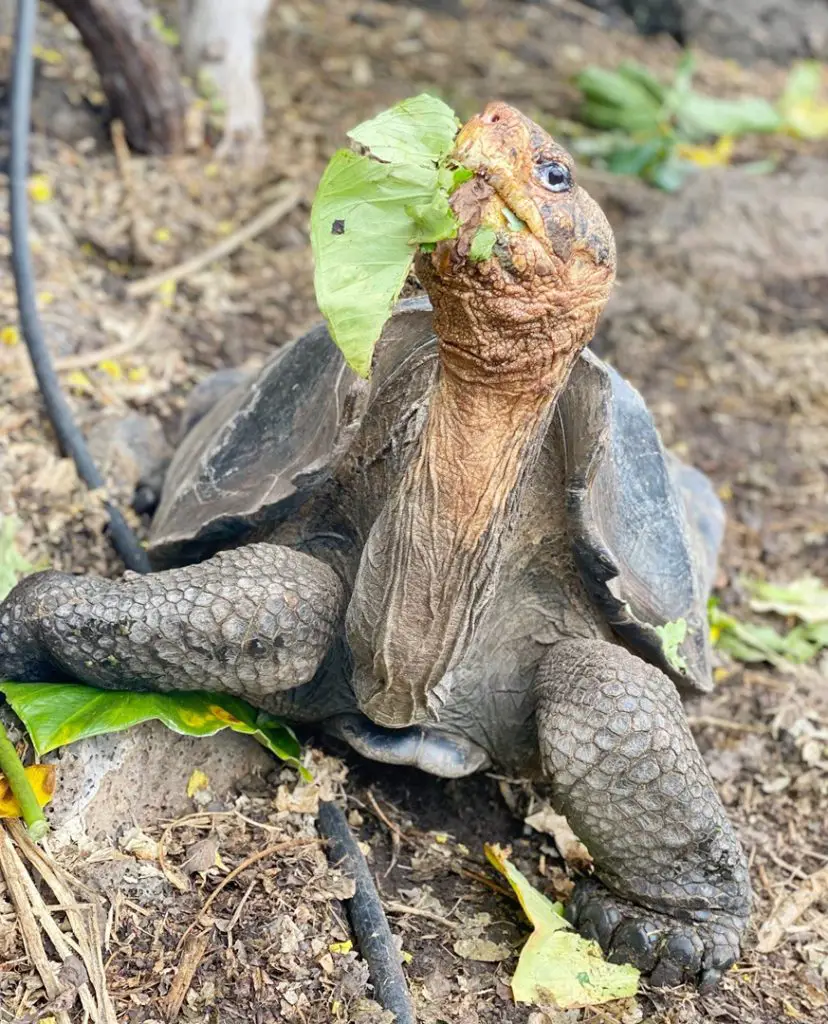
253,622
626,772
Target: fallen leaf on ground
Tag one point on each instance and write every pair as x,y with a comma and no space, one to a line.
139,845
557,966
59,713
569,845
42,780
196,783
483,950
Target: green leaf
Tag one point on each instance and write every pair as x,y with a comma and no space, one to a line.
616,89
670,174
12,563
556,965
755,642
432,221
699,116
635,159
673,635
482,244
59,713
806,598
642,77
419,130
804,113
371,211
514,222
361,234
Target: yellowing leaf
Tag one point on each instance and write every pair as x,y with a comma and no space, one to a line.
718,155
196,783
805,115
40,191
52,57
557,967
166,292
79,383
9,335
42,780
112,368
59,713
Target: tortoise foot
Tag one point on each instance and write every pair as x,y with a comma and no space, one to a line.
668,950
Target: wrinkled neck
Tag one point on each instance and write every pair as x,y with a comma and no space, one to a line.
478,446
430,565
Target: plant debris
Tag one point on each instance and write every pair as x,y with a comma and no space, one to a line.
557,967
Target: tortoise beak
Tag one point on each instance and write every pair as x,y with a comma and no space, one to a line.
497,147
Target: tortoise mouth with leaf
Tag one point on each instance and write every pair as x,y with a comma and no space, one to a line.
479,555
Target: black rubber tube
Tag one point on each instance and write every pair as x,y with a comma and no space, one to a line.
368,920
69,436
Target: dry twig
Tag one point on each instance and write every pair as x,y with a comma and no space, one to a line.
191,956
267,218
790,909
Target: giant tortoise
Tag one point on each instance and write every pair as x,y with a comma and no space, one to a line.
482,556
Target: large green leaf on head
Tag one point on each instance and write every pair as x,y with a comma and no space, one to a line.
59,713
419,130
371,211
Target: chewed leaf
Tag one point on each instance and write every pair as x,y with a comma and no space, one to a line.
361,233
673,635
42,780
482,244
372,209
432,221
556,965
419,130
59,713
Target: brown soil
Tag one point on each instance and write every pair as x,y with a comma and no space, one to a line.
719,318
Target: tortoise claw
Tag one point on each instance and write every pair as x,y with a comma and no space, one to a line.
669,951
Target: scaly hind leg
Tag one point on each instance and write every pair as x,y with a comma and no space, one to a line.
252,622
674,895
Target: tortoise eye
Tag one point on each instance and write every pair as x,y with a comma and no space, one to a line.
555,176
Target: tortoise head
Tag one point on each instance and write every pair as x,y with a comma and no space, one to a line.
533,302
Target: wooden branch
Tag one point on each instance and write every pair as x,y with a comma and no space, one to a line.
138,71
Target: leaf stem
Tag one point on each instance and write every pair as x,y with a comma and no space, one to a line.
12,767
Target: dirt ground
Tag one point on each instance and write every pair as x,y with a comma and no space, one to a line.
719,318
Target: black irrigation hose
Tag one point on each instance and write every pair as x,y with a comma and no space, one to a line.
365,909
69,437
367,917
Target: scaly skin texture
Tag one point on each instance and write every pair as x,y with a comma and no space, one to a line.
251,622
472,635
624,766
